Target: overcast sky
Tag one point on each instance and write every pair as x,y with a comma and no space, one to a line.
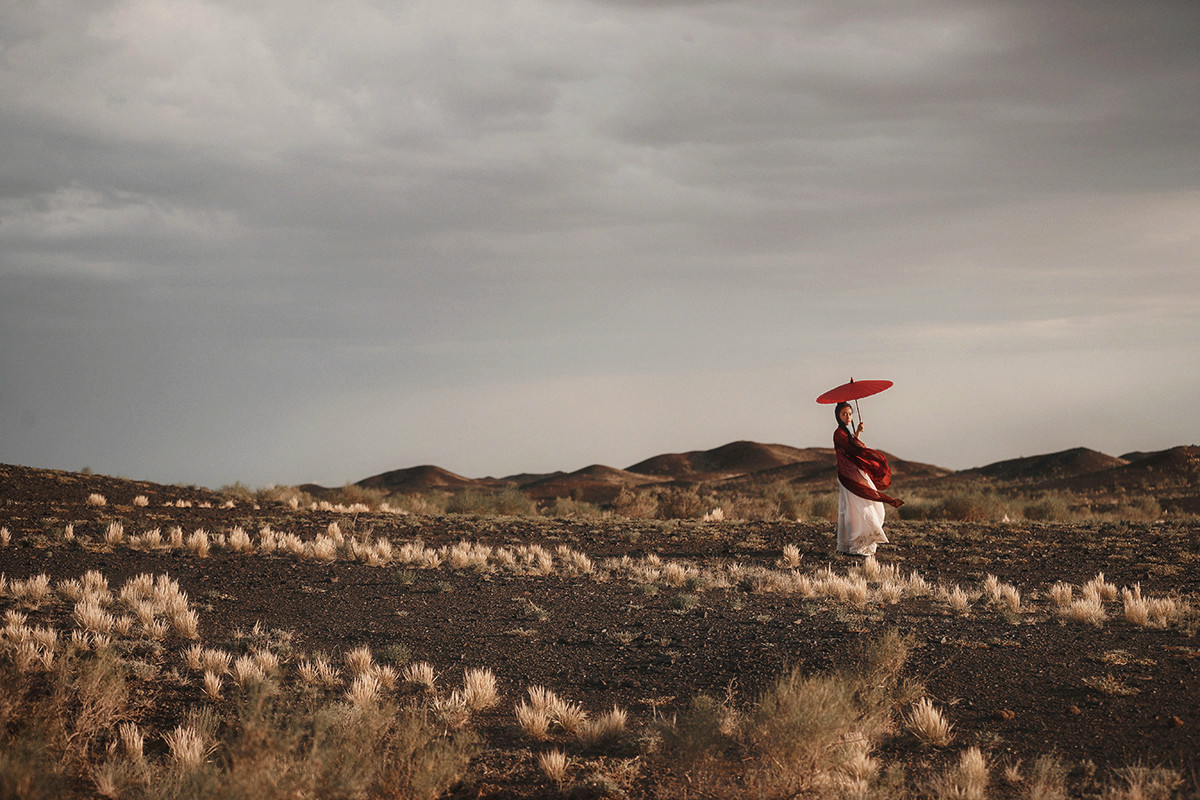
281,241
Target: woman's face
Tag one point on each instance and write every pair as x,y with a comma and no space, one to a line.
845,415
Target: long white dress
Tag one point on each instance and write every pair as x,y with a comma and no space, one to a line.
860,521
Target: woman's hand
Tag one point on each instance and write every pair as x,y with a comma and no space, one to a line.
860,429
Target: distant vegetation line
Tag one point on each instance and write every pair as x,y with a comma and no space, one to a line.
751,481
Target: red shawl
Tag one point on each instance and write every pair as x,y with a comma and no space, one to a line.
853,456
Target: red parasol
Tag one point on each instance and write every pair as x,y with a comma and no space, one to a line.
853,391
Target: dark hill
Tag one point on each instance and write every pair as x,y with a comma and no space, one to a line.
727,461
1048,467
421,479
1172,469
594,484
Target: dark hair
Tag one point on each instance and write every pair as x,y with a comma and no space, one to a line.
837,412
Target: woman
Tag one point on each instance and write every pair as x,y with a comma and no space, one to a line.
862,473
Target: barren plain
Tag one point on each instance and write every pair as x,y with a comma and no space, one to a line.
1066,653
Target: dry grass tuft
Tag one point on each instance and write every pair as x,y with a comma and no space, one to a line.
479,689
553,764
364,691
359,661
605,730
1088,609
533,720
421,674
97,500
926,722
967,780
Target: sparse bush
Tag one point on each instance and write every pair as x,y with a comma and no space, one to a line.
825,506
635,504
510,501
570,508
682,504
1050,508
975,506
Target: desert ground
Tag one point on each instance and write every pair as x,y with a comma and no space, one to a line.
972,659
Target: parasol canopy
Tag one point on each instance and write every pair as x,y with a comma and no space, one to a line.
853,391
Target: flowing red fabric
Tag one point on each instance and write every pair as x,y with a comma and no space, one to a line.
853,456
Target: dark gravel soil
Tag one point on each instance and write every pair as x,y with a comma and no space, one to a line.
1019,684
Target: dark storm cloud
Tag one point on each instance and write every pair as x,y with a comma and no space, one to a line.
237,242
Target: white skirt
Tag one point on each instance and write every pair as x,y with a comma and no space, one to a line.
860,521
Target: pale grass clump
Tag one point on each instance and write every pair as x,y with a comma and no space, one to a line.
479,689
319,672
239,540
545,708
69,589
218,661
421,674
917,586
150,540
469,555
141,501
32,592
198,543
175,538
1145,783
247,672
926,722
536,559
956,598
533,720
791,557
136,589
266,661
132,740
967,780
5,537
95,587
1156,612
212,685
186,623
97,500
554,764
193,657
114,533
90,617
1100,588
187,748
364,691
359,661
322,548
605,729
575,562
1061,594
1001,594
1047,780
1088,609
